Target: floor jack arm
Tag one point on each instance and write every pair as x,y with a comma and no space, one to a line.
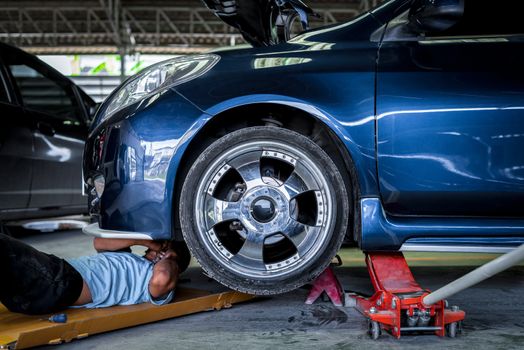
478,275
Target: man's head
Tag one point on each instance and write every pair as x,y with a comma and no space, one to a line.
183,256
170,249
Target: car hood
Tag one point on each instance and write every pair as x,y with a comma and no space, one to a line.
261,22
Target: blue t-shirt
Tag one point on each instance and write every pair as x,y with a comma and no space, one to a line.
117,279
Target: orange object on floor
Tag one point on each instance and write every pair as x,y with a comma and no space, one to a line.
19,331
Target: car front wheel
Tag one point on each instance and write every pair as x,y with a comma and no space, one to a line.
264,210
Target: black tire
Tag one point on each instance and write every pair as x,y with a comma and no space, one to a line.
221,271
374,330
451,329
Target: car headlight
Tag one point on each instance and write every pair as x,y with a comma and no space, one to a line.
157,78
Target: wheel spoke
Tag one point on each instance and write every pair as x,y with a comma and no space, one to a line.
248,166
263,210
306,176
251,253
217,211
301,235
293,186
250,172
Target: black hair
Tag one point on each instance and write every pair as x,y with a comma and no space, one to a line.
182,253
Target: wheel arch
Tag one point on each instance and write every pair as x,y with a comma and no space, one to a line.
302,118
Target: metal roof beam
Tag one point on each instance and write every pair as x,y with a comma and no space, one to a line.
129,24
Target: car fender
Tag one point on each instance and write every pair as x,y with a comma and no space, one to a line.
365,177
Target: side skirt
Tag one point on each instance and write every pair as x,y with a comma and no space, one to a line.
382,232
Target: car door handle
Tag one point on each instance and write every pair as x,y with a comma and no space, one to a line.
45,128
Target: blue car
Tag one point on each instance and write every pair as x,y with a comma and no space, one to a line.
402,129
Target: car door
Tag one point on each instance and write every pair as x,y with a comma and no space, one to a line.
51,102
450,117
16,151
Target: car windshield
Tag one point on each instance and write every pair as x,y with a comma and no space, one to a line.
377,9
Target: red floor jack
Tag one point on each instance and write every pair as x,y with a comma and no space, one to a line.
399,304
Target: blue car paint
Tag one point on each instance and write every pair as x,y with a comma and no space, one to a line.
384,232
158,135
449,134
328,73
151,212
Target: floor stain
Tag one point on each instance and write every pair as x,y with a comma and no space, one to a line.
326,314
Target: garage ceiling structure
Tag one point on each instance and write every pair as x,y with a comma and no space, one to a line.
133,26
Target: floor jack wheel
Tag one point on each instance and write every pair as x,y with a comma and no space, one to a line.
452,329
374,330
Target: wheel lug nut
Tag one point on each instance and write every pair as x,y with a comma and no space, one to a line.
240,187
236,226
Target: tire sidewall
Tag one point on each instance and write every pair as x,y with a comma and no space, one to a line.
300,276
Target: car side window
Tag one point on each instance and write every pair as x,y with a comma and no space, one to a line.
45,94
487,18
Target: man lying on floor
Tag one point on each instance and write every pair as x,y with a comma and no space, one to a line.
34,282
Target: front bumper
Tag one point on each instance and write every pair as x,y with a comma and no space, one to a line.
138,154
96,231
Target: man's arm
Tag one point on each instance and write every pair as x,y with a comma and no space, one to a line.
165,276
114,244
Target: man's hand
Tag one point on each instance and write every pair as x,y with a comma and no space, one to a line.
168,254
164,253
153,245
154,255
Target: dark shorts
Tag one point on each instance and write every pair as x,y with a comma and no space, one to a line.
33,282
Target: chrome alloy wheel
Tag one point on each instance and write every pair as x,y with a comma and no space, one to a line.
263,209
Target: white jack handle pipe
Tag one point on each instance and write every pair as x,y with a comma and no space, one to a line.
480,274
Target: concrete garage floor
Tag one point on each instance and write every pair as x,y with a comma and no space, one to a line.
494,309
